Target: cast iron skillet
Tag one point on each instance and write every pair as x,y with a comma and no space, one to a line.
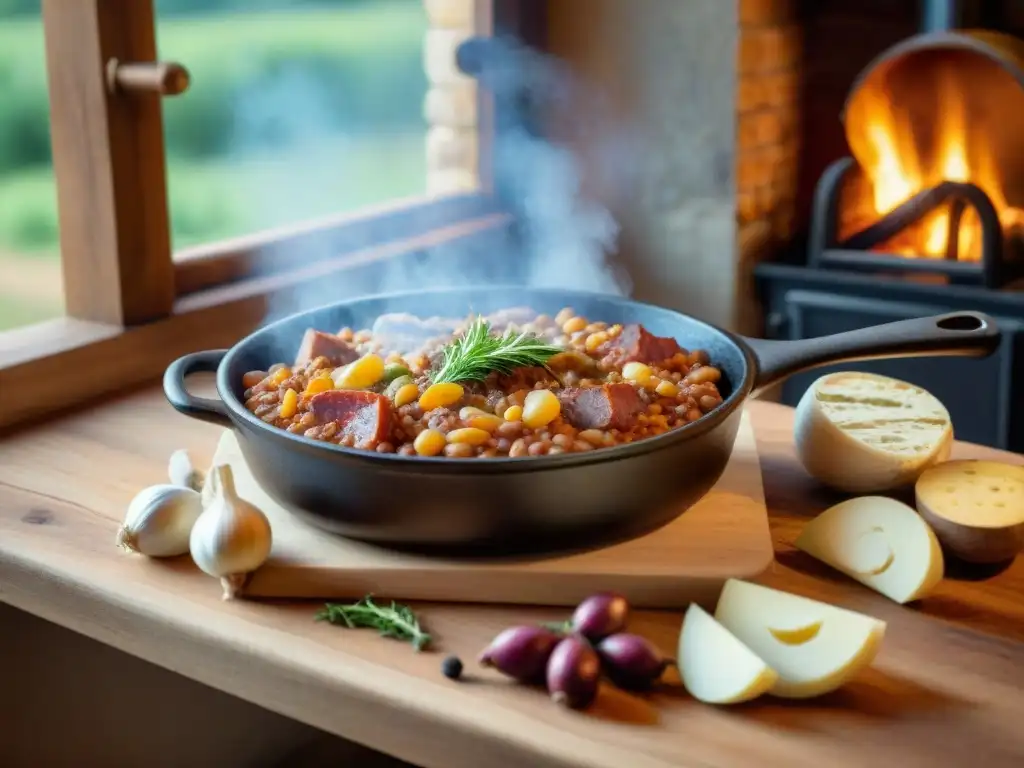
529,503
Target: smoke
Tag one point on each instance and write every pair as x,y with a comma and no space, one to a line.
560,237
566,238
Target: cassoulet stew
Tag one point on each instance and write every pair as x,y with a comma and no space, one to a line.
510,384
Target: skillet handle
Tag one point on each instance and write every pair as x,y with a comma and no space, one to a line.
960,334
202,408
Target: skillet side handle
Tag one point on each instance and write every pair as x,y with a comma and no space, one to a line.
957,334
203,408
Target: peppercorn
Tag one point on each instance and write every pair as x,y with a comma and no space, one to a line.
451,667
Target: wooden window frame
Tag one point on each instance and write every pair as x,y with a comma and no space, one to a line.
132,305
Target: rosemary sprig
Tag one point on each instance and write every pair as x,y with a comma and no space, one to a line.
397,621
478,352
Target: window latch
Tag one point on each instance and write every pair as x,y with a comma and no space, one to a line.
165,78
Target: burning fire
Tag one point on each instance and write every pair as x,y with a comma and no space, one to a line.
897,169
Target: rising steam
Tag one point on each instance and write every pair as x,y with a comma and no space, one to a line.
566,239
560,239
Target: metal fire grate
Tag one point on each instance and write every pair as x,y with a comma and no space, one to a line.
854,253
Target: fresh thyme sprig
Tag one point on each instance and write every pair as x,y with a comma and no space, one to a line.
478,352
397,621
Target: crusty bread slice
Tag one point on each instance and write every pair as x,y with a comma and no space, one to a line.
864,433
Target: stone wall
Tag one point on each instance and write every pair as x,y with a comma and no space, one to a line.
450,106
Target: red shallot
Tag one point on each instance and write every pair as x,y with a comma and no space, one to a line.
631,662
601,615
521,652
573,673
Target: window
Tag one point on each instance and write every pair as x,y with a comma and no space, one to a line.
313,137
294,111
30,279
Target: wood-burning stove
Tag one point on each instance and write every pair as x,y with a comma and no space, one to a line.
925,215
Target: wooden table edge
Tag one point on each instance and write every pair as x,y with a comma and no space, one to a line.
375,710
310,686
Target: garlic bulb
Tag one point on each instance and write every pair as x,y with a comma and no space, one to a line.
181,471
231,538
159,521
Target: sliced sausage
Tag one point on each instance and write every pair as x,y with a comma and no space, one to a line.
317,343
366,416
638,345
609,406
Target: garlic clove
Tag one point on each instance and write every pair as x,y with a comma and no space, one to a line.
159,521
231,538
182,472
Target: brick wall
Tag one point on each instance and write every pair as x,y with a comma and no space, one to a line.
796,62
769,59
768,142
450,106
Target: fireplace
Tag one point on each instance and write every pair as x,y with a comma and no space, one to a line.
935,183
922,213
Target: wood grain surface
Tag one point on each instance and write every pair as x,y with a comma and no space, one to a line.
946,690
724,535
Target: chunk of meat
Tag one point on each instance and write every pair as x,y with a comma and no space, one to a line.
366,416
635,344
609,406
317,343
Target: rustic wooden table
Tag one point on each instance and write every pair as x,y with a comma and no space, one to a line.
946,690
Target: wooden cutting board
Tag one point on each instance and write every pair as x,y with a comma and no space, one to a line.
724,535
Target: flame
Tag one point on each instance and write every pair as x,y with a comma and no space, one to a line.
897,170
